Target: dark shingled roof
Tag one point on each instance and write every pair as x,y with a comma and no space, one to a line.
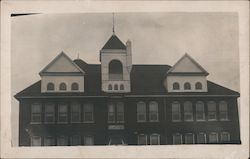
145,80
114,43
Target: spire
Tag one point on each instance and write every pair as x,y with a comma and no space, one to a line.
113,29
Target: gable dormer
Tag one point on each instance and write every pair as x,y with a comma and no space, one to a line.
62,75
186,76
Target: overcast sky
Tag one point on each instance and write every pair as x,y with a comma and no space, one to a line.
157,38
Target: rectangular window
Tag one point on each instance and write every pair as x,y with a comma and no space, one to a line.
142,139
49,141
111,113
153,112
62,141
189,138
225,137
155,139
141,112
116,112
75,140
88,113
176,111
211,107
75,113
213,138
36,141
201,138
223,111
49,113
62,113
177,139
200,112
36,113
188,111
120,112
88,140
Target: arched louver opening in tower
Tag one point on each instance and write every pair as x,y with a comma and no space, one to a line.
115,70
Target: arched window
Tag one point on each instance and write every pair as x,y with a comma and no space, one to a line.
115,70
187,86
50,86
176,86
121,87
188,111
198,85
153,112
63,86
74,86
223,110
116,87
200,112
141,112
110,87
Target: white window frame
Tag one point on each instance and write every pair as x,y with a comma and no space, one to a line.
174,135
152,113
84,140
221,119
45,113
205,135
158,138
59,113
92,113
229,136
217,137
203,113
79,113
140,113
188,113
32,113
192,138
174,120
32,138
144,135
211,112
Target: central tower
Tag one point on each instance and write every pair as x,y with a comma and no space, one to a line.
116,65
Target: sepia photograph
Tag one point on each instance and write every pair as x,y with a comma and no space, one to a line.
126,80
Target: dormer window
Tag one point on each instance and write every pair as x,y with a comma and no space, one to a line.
121,87
115,70
50,86
176,86
116,87
62,87
187,86
198,85
74,86
110,87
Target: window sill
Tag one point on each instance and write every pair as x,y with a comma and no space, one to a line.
176,121
224,120
212,120
35,123
188,120
154,121
88,122
50,123
200,120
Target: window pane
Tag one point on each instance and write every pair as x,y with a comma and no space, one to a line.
177,139
225,137
187,86
223,111
176,111
213,138
88,113
75,140
62,141
201,138
188,111
74,86
155,139
88,140
36,110
50,87
49,113
49,141
141,111
142,140
111,113
153,111
62,86
36,141
75,112
211,106
120,112
176,86
63,113
200,114
189,138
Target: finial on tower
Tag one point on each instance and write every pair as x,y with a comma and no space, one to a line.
113,29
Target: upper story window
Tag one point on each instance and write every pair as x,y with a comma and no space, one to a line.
116,87
74,86
176,86
50,86
141,112
121,87
177,139
36,141
142,139
62,87
115,70
188,111
153,112
211,107
49,113
189,138
155,139
116,112
223,108
62,113
75,140
198,86
75,113
187,86
109,87
200,112
225,137
201,138
49,141
88,113
176,111
213,137
36,113
62,141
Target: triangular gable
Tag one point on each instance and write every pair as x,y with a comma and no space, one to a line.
114,43
187,65
62,63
